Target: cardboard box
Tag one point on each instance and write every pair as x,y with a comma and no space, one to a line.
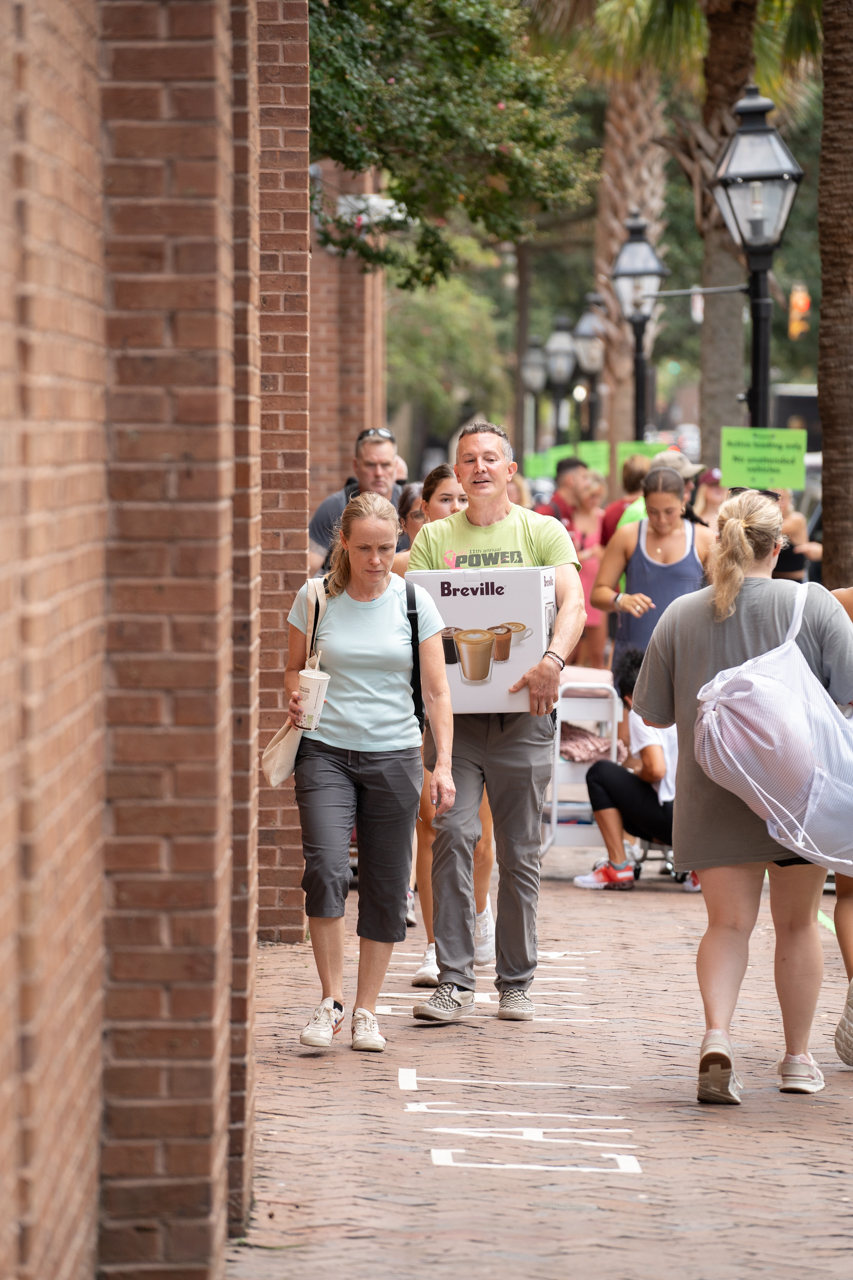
498,623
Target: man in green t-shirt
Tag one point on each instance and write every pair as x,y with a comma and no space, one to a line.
511,754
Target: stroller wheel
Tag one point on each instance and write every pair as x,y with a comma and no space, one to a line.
638,870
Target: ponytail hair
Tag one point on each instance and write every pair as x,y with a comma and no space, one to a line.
362,507
749,527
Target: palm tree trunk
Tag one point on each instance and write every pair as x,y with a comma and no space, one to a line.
632,177
835,231
728,68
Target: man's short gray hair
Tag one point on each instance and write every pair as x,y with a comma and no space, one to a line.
486,428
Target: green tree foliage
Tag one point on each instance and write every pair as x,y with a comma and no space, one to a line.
445,99
443,355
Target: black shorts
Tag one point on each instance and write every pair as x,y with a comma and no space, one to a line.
612,787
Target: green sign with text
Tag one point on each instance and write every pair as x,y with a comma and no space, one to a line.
595,453
761,458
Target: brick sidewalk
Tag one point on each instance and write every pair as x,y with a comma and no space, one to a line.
626,1177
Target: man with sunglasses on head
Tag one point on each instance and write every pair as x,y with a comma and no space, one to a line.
374,467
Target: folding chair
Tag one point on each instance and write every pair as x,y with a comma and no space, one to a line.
565,822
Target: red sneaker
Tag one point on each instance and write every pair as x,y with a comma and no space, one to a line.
605,876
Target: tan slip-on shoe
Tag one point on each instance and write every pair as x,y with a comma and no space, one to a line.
718,1080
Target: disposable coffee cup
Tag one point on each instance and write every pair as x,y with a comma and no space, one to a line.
312,688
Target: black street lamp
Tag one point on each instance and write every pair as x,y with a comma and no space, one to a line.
637,274
588,337
561,359
534,376
754,187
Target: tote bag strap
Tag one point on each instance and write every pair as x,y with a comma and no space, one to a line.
417,693
317,590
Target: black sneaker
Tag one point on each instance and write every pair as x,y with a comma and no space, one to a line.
515,1005
447,1003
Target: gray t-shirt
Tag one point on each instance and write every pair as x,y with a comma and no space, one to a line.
712,827
326,519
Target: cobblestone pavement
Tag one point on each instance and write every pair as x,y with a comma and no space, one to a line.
569,1146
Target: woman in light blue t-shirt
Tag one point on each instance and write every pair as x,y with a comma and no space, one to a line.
362,766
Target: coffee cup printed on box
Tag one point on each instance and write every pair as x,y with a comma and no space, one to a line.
519,632
503,642
312,688
476,649
448,642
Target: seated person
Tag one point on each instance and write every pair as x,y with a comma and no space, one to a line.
638,797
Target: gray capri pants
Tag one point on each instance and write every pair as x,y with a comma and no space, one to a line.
378,793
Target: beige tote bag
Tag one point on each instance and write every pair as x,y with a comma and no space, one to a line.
279,758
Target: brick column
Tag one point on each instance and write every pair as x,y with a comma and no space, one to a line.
169,148
247,601
283,91
59,403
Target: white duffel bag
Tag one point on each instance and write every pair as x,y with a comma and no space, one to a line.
769,731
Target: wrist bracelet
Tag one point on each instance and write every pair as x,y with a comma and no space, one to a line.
549,653
616,600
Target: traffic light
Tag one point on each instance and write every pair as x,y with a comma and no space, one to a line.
799,306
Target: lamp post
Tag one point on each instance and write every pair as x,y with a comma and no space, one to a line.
637,274
561,359
588,338
534,376
754,187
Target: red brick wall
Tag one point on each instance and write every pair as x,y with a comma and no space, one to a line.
10,575
347,349
169,156
283,90
247,601
60,362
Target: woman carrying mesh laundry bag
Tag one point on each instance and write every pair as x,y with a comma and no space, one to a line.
745,613
362,765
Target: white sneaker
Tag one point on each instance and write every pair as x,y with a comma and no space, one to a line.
484,936
427,975
691,884
325,1023
365,1032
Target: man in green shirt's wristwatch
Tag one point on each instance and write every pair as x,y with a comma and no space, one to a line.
510,754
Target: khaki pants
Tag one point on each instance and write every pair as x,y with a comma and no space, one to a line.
512,755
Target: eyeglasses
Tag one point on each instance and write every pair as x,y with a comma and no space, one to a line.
765,493
381,432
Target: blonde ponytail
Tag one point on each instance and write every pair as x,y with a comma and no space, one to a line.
749,527
361,507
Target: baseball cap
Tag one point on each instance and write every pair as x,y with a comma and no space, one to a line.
712,476
678,461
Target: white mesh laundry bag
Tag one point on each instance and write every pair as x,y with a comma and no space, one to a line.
769,731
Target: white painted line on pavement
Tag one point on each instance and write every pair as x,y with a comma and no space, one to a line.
624,1164
408,1078
443,1107
534,1135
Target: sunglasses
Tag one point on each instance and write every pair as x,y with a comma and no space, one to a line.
381,433
765,493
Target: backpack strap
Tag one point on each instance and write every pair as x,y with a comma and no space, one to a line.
417,694
799,607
